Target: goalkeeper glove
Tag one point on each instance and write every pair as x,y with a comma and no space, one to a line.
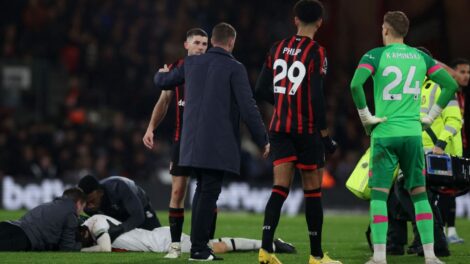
435,111
368,120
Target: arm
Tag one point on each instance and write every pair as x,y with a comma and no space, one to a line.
357,89
264,86
318,99
68,241
448,88
168,80
134,207
248,110
452,124
158,113
103,244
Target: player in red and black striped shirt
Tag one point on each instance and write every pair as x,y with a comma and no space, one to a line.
292,80
196,44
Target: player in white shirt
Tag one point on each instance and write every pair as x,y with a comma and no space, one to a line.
95,238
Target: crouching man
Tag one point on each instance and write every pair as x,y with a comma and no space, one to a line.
48,227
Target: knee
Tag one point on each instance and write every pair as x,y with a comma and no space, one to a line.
178,195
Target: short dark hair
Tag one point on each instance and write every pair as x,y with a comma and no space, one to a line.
398,21
89,184
196,32
459,61
309,11
75,193
223,32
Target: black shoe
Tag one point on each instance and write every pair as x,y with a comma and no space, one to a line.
414,248
439,252
283,247
204,256
396,250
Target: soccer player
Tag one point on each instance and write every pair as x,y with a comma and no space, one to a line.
446,203
195,44
398,71
95,238
298,132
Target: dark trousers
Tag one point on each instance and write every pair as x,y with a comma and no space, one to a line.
13,238
209,185
401,209
447,205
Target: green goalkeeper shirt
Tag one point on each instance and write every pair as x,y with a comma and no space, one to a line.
398,71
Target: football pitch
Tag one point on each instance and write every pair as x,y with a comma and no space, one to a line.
343,239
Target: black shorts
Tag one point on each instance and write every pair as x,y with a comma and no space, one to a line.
305,150
176,170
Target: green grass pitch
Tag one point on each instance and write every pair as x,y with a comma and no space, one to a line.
343,239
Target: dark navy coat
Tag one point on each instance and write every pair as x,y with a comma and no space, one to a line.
217,93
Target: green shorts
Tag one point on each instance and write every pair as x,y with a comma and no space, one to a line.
387,153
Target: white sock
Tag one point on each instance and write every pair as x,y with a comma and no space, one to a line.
379,252
451,231
240,244
429,250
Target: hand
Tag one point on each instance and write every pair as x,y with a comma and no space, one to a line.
330,144
266,150
148,139
437,150
114,231
368,120
426,122
164,69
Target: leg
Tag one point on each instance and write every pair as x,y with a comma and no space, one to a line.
176,210
283,175
13,238
443,203
210,186
213,224
452,235
311,181
179,185
412,164
383,163
397,226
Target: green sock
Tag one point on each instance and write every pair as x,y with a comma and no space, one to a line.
378,216
424,217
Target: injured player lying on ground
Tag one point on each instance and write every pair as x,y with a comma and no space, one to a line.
95,238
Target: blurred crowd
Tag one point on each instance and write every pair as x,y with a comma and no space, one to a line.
110,50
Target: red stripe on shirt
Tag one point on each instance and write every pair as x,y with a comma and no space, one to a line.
289,109
310,110
276,112
283,84
433,69
366,66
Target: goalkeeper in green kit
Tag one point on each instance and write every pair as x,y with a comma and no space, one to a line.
398,71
